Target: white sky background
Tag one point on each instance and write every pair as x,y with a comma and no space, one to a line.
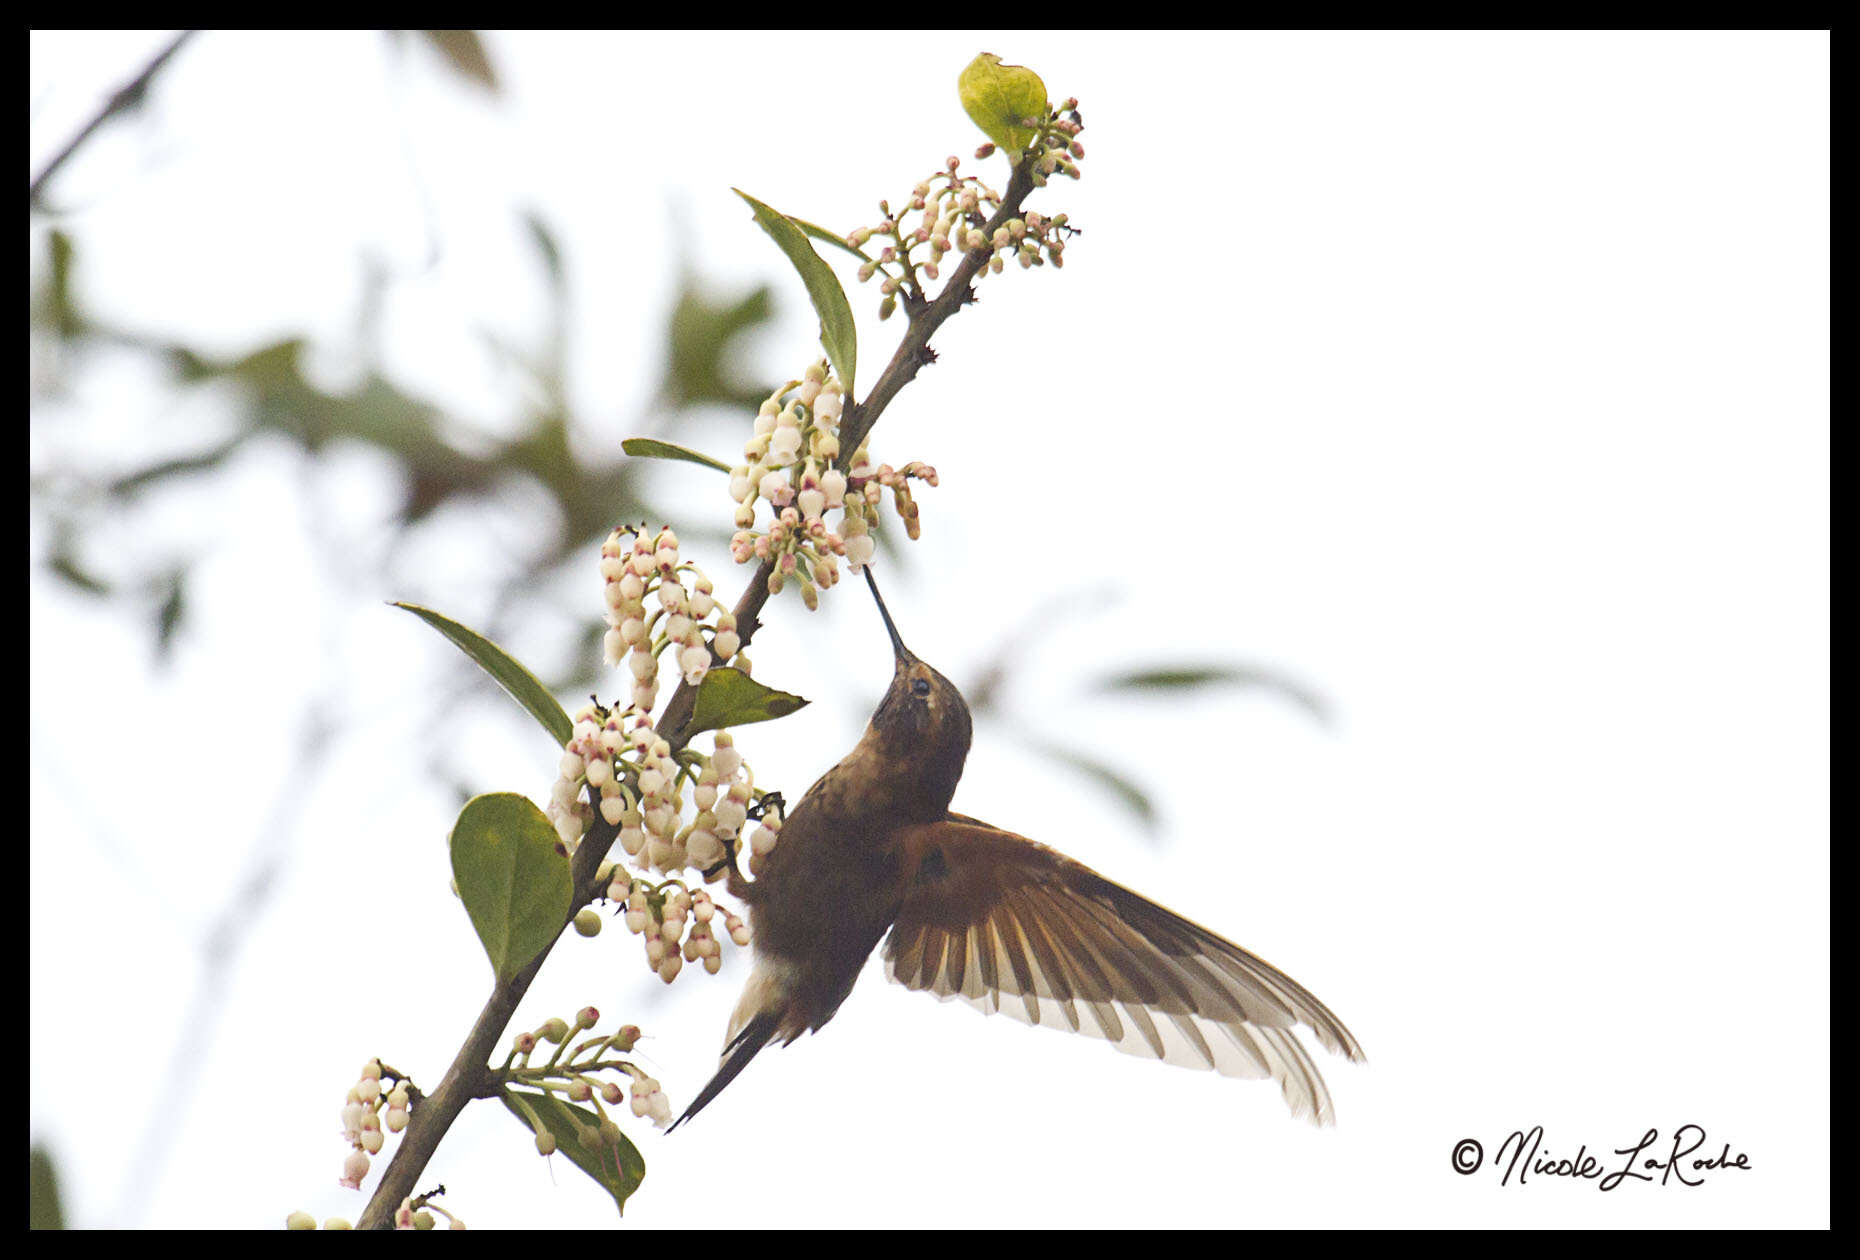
1479,381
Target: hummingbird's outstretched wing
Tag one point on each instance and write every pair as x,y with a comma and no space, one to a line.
1009,925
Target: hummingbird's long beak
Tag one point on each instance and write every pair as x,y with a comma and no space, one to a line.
897,643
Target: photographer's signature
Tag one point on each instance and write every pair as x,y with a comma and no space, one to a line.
1684,1159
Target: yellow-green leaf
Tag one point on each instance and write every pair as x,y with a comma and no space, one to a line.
1007,102
512,878
729,697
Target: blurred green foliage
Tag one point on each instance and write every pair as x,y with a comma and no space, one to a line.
590,493
441,463
44,1210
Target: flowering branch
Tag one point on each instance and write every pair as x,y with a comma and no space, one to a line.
469,1075
856,425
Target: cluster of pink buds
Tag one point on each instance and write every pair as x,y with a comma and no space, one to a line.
373,1104
949,212
1032,241
590,1073
1055,149
410,1216
658,605
795,465
947,207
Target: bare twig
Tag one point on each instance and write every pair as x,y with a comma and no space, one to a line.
467,1077
124,98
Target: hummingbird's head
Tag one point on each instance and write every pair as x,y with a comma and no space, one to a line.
923,720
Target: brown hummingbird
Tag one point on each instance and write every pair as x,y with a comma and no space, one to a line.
998,920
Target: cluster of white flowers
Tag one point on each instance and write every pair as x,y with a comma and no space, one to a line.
370,1107
762,841
795,466
636,564
642,786
677,926
616,751
650,1100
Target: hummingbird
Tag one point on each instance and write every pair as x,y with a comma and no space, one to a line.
1002,922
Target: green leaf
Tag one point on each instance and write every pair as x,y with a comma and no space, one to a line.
1007,102
523,686
66,566
1190,677
512,877
653,448
832,238
619,1167
1134,798
837,335
729,697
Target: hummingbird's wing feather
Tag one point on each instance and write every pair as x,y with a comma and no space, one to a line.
1010,925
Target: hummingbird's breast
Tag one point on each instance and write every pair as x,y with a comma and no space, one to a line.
829,891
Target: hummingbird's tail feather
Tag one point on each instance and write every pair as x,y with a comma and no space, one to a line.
743,1047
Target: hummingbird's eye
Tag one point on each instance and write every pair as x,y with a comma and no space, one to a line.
920,687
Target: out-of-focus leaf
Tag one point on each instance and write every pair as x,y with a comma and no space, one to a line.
171,612
411,433
523,686
617,1166
701,363
544,364
545,243
268,368
729,697
66,566
512,877
464,52
837,335
832,238
1006,102
44,1208
161,470
544,450
1191,677
984,687
653,448
1134,798
54,306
